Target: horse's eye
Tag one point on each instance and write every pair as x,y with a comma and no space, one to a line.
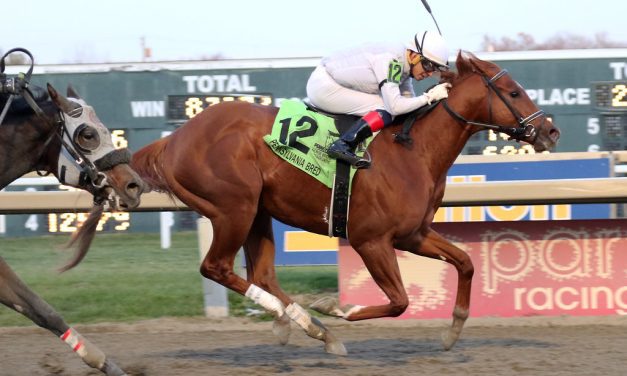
87,138
514,94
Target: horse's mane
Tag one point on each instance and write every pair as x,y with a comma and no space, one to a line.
466,64
19,104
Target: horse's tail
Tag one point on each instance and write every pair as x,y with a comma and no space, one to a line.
83,237
147,162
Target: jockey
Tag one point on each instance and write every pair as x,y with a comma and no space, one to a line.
374,81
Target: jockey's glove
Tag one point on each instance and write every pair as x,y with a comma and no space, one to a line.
437,92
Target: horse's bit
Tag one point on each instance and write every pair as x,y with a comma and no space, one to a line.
525,129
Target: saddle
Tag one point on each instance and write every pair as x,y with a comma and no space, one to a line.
338,218
342,121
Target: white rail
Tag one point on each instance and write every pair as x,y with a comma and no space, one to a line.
525,192
528,192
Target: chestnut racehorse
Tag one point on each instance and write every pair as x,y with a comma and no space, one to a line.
63,137
219,165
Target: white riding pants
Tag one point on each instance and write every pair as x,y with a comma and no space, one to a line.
328,95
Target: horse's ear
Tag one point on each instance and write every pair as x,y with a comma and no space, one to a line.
463,63
482,66
478,64
72,93
62,102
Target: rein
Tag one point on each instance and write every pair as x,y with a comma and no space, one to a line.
17,85
524,129
403,137
20,86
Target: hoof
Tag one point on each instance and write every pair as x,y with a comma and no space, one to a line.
111,369
281,328
327,306
449,339
335,347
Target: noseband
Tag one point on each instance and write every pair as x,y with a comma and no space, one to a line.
524,130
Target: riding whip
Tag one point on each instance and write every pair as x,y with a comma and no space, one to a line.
424,2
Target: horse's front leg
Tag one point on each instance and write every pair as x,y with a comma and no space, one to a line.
436,247
17,296
380,260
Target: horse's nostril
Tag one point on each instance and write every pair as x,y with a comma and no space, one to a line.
133,188
554,134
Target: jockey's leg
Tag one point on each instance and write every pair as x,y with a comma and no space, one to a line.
344,147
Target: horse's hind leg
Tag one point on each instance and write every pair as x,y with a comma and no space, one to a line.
17,296
436,247
233,214
260,252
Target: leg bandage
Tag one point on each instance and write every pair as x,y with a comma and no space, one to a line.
73,339
266,300
299,315
90,354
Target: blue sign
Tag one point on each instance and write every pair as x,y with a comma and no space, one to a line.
296,247
538,170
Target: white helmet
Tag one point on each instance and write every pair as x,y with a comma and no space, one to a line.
432,46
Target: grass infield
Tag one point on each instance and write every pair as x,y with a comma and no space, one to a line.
128,277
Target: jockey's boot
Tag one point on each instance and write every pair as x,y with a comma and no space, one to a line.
344,147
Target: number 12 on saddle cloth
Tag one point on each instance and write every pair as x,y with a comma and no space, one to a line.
301,137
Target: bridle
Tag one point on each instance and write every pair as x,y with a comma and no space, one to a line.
524,130
96,178
91,172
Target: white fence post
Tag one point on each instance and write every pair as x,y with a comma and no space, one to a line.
166,221
215,295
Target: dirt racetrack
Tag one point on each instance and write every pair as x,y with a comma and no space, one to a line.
198,346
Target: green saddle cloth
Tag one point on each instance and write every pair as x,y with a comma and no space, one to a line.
301,137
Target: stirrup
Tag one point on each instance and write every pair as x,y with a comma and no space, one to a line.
349,157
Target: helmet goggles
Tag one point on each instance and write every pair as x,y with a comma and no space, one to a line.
430,66
427,64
